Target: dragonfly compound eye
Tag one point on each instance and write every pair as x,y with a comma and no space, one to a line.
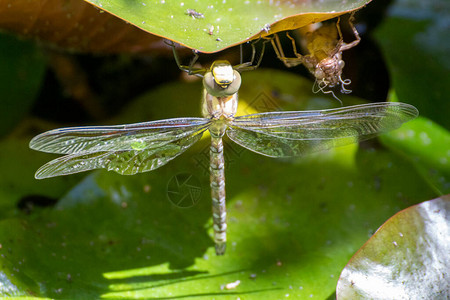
222,90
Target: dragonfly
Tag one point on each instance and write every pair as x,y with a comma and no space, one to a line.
324,60
135,148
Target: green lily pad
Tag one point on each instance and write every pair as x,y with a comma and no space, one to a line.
292,224
406,259
428,146
414,40
110,238
211,26
19,188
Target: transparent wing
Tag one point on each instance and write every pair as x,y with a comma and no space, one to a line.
284,134
138,136
161,143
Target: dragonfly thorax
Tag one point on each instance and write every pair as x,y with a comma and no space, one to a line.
219,107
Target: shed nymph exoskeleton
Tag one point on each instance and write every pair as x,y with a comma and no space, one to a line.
324,59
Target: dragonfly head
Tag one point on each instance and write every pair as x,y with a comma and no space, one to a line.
222,80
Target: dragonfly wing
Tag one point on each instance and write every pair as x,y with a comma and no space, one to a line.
284,134
124,162
139,136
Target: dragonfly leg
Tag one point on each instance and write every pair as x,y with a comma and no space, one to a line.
341,46
248,66
346,46
288,61
189,69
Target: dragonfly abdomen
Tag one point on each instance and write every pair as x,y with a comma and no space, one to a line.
217,177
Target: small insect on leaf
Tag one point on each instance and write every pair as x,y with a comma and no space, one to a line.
210,29
231,285
194,14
